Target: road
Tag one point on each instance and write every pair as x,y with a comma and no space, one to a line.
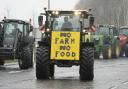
109,74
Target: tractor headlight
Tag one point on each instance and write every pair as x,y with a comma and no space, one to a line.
55,12
83,30
89,33
48,30
42,31
77,13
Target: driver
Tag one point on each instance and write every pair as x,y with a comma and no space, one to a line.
66,25
15,29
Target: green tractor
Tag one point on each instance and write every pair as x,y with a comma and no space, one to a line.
106,42
16,42
65,43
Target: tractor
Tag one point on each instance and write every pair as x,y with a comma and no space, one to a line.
65,42
106,42
16,42
123,37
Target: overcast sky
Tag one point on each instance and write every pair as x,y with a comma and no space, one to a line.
25,9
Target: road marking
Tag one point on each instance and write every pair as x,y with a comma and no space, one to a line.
13,72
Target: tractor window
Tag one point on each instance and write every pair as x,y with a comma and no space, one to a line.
26,29
66,23
20,27
124,31
102,31
10,28
111,31
115,31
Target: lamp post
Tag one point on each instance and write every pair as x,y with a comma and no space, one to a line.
48,4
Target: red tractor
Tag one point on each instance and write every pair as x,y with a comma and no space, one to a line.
123,38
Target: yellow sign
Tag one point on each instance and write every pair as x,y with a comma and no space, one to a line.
65,45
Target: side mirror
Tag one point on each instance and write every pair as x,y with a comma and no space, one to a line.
91,21
31,28
40,20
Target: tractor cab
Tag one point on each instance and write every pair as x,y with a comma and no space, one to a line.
123,30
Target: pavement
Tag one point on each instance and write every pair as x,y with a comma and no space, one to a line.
109,74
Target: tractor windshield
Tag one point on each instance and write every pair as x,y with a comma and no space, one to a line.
124,31
66,23
10,32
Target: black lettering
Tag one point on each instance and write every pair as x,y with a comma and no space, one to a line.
61,41
73,54
65,48
62,47
57,53
66,41
56,40
68,34
65,34
72,41
68,48
62,34
62,54
67,54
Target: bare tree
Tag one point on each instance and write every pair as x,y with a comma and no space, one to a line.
107,11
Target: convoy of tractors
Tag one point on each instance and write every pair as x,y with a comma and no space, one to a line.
66,41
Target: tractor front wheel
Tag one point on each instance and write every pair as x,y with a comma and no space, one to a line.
43,69
107,52
87,64
116,52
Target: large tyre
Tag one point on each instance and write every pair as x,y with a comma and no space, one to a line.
116,52
31,58
107,52
87,64
24,60
44,69
2,62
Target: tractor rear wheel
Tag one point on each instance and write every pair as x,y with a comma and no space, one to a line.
87,64
43,63
107,52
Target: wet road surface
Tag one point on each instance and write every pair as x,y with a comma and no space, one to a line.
109,74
